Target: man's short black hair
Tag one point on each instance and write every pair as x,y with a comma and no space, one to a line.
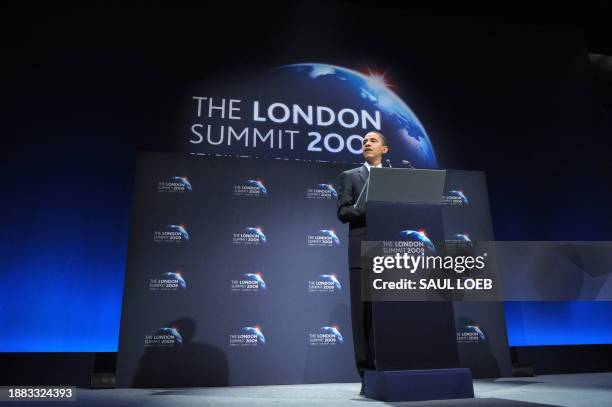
382,137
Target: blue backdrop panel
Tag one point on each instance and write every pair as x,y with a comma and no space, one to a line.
262,296
558,323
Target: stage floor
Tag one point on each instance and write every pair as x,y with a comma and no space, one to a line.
591,389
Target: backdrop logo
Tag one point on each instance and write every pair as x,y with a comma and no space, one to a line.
251,187
174,184
455,198
248,336
459,241
312,111
171,234
250,236
324,238
326,336
164,337
470,334
461,237
249,282
325,283
420,239
322,191
169,281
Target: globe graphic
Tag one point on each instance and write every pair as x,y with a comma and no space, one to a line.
333,279
254,331
337,88
460,195
475,330
181,229
255,277
259,185
417,236
176,276
332,234
330,188
183,181
178,339
258,232
462,237
334,331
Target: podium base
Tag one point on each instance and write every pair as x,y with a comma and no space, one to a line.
418,385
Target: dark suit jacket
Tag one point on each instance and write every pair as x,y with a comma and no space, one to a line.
350,186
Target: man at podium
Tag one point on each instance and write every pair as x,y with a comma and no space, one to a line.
351,209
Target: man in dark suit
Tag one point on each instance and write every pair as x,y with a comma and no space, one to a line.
351,209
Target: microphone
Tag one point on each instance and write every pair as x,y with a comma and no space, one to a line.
407,163
388,162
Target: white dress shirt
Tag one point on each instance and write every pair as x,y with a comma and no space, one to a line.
368,166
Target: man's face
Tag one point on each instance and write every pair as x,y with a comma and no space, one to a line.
373,148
